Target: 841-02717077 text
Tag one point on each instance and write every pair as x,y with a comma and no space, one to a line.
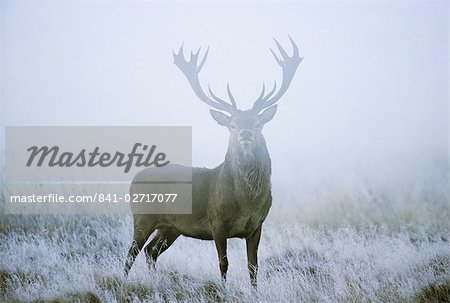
136,198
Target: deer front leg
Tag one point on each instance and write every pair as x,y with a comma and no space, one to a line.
221,246
252,254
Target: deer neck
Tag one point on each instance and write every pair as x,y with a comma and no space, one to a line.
248,172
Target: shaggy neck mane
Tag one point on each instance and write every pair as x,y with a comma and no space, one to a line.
249,173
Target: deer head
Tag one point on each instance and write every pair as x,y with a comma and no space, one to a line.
245,126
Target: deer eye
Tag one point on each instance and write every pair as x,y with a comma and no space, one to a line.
257,125
233,125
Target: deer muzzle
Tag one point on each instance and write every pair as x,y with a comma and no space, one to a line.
246,137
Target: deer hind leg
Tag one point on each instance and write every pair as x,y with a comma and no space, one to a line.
221,245
160,243
140,236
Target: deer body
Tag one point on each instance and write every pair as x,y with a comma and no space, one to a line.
233,199
216,201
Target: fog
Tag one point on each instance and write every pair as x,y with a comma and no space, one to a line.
359,145
369,99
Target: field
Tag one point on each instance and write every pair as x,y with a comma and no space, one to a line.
374,242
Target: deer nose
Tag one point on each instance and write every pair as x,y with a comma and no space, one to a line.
246,135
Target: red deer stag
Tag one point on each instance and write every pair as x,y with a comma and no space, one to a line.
233,199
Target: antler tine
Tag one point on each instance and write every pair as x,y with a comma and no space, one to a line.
289,66
263,97
180,51
281,49
199,68
295,48
230,96
191,70
271,92
217,99
276,57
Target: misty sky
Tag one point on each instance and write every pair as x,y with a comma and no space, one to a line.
371,92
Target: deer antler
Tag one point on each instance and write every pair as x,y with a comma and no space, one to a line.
191,70
289,66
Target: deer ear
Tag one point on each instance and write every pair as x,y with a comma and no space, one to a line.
268,114
220,117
